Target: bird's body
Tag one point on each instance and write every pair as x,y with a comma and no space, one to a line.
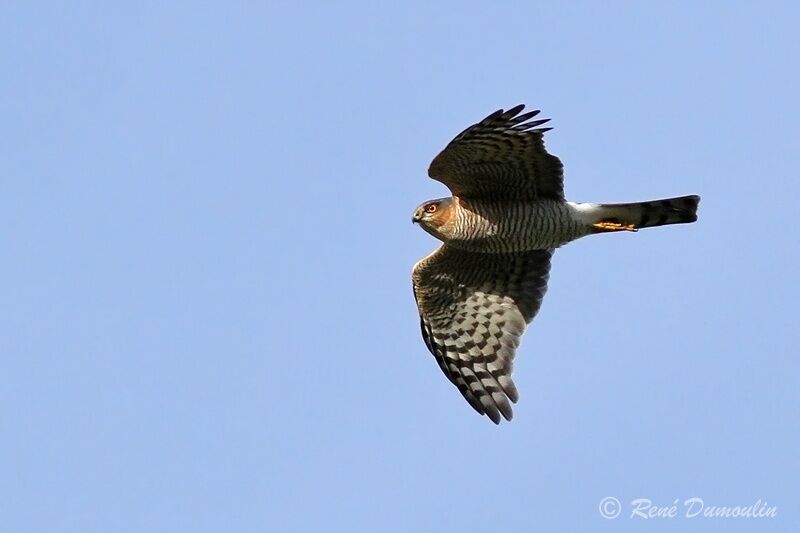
496,226
477,292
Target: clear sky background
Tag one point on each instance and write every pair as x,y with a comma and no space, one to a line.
207,321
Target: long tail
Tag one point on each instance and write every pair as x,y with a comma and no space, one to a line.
633,216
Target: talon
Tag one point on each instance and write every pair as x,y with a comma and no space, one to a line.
614,226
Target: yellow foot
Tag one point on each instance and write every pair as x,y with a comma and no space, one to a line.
614,226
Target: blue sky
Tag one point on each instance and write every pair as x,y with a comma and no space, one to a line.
208,322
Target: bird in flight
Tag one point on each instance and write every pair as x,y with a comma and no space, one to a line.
479,290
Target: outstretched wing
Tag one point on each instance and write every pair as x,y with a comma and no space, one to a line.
501,157
474,308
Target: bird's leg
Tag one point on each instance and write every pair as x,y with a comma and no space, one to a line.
614,226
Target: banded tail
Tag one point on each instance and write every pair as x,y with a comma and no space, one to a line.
633,216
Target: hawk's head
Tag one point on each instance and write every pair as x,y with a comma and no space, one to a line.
434,215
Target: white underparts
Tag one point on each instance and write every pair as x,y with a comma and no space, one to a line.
586,213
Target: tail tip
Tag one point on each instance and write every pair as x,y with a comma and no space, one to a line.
690,207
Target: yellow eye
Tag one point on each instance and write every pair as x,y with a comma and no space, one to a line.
430,208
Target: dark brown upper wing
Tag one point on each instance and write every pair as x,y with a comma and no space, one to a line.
473,310
502,157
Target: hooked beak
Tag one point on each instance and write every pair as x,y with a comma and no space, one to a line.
415,218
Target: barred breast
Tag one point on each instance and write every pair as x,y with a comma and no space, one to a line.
498,227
